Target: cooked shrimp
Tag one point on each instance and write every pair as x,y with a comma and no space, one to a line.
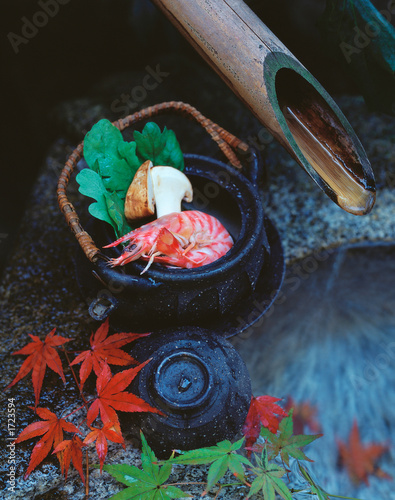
185,239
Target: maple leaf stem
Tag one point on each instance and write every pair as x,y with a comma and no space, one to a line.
87,475
339,496
288,471
74,411
75,378
186,483
222,486
218,492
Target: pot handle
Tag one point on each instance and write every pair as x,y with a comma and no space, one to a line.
101,307
254,168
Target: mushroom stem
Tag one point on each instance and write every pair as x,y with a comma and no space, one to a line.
170,187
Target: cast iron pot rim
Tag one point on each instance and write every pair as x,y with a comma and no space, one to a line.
235,254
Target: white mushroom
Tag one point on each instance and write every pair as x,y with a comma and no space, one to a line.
171,187
161,187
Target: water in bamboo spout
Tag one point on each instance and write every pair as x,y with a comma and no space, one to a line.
324,143
332,168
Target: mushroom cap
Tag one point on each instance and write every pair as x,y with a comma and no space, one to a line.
139,201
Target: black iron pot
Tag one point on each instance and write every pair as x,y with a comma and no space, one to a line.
199,382
165,297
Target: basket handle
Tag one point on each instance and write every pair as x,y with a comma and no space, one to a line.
226,141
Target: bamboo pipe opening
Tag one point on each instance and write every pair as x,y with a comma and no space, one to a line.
286,98
339,164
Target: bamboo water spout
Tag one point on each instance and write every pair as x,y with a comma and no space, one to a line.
282,93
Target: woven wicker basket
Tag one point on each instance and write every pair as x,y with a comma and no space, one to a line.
227,142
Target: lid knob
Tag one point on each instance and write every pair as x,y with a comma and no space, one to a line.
183,381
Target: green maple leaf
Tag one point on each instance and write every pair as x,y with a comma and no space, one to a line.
146,483
268,479
285,443
222,457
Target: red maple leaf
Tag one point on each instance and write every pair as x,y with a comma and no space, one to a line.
71,449
304,414
52,427
263,411
109,431
41,354
105,350
361,460
110,396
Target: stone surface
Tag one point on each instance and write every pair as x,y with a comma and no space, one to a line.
39,289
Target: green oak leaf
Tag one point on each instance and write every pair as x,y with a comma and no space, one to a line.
222,457
91,185
162,148
146,483
113,164
150,142
116,175
115,208
108,206
285,443
101,143
268,479
127,150
171,154
109,155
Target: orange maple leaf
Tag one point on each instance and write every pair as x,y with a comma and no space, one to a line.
361,460
105,350
109,431
52,427
71,449
40,354
110,396
304,414
263,411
